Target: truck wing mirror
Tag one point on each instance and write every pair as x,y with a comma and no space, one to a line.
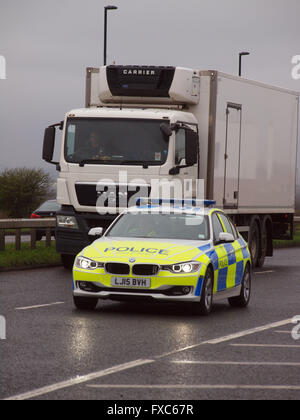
191,147
166,129
49,143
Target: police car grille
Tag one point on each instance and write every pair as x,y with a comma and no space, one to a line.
117,268
145,270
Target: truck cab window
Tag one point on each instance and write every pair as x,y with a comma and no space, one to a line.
180,147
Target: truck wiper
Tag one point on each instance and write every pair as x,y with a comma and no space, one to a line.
145,165
99,161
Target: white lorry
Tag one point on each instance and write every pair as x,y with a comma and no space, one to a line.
176,124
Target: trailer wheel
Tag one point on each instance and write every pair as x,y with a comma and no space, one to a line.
254,242
264,244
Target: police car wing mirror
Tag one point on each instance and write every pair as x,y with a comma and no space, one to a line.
96,232
225,238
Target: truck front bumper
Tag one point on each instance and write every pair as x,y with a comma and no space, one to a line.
72,241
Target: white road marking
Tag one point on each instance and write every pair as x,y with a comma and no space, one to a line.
202,386
267,345
96,375
78,380
192,362
283,332
25,308
249,332
264,272
230,337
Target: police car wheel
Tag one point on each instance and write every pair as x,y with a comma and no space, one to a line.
206,301
85,303
243,300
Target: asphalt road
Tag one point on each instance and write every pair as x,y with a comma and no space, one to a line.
149,351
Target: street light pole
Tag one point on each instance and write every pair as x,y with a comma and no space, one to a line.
242,54
106,9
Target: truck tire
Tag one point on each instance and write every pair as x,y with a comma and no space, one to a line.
254,242
263,249
67,261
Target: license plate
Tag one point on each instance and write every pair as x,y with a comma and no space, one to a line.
126,282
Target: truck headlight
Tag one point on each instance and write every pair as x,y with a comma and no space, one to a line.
184,268
87,264
68,222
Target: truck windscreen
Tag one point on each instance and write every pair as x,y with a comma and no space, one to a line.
115,142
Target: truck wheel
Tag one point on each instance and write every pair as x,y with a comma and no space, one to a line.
254,242
67,261
85,303
263,252
243,300
206,302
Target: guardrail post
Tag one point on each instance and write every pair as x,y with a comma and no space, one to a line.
32,238
18,239
2,239
48,238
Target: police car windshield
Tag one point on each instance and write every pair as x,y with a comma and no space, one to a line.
111,141
161,226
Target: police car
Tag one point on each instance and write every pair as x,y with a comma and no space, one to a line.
174,253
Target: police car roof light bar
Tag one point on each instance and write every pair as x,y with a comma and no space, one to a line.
183,203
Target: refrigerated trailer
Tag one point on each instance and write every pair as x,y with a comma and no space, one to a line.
176,124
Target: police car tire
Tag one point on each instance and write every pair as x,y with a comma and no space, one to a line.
243,300
206,302
85,303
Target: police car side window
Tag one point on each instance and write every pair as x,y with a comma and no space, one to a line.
217,227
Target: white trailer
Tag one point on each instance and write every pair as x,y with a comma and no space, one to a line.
176,124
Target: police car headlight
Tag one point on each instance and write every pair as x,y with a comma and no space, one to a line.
184,268
87,264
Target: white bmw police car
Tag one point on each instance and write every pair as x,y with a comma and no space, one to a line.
168,253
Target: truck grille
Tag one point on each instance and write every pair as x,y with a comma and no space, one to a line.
145,270
87,195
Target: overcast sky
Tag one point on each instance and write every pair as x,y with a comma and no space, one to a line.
48,44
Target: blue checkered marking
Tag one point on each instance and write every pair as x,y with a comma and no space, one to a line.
199,286
239,273
204,248
222,279
230,253
244,248
214,258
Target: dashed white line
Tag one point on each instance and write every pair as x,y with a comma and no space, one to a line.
25,308
201,386
267,345
195,362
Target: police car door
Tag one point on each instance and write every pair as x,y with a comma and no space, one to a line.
221,262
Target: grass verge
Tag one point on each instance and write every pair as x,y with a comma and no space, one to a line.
26,258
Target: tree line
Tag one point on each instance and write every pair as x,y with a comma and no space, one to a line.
23,190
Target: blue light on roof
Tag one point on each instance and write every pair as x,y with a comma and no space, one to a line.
182,203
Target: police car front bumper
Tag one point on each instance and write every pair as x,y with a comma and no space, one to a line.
172,291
